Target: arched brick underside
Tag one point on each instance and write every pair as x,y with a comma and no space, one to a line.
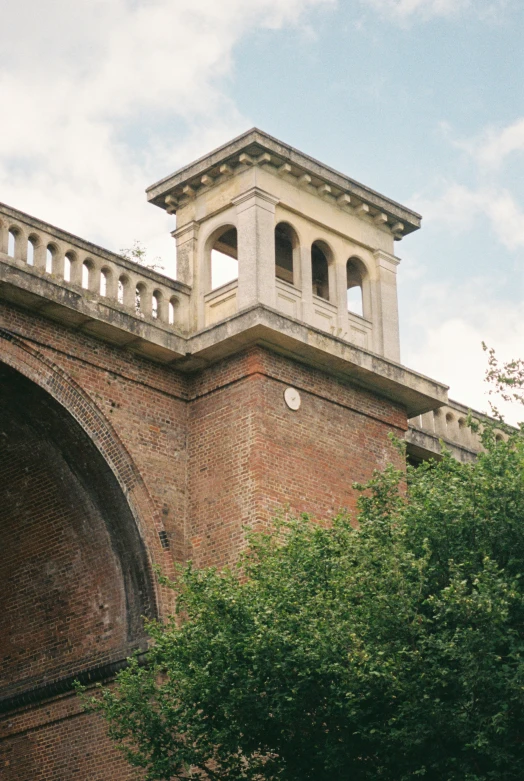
74,577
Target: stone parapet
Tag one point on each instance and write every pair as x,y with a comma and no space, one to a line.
50,255
446,426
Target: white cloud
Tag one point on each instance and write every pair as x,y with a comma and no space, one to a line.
448,322
102,97
451,350
459,207
494,145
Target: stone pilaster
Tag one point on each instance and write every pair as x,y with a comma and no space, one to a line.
256,248
186,246
387,320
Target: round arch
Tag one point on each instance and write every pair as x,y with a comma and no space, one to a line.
82,424
220,255
76,576
287,253
358,277
323,269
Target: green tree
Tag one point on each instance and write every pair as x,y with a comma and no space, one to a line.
392,649
138,254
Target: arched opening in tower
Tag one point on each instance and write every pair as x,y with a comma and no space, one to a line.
224,258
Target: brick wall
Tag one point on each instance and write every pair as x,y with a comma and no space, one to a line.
180,464
250,455
57,742
61,585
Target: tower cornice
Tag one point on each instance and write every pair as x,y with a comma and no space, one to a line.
258,149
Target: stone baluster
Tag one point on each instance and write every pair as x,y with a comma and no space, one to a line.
340,296
21,245
306,279
76,269
111,282
163,308
59,261
146,297
129,284
93,284
40,253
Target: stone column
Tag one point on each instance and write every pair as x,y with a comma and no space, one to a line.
341,298
306,280
256,248
387,320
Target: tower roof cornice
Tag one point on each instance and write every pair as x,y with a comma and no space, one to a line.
256,148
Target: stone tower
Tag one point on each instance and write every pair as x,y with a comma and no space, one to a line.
303,235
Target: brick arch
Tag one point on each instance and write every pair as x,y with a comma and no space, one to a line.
136,543
39,369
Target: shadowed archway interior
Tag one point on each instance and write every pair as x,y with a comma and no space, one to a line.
74,579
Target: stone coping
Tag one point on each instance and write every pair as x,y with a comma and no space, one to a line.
313,347
258,148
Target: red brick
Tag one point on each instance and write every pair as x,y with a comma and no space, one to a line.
192,459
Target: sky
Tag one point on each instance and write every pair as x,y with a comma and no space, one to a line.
422,100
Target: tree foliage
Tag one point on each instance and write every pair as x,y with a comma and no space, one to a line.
392,649
506,381
138,254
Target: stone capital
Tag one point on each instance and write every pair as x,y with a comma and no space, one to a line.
255,197
186,232
385,260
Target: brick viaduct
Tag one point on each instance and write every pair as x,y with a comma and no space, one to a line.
143,420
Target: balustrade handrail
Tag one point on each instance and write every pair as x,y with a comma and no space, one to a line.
91,249
44,249
449,423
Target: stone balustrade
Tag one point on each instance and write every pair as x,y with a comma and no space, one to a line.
446,424
43,250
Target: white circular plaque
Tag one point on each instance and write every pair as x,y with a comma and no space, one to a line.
292,398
